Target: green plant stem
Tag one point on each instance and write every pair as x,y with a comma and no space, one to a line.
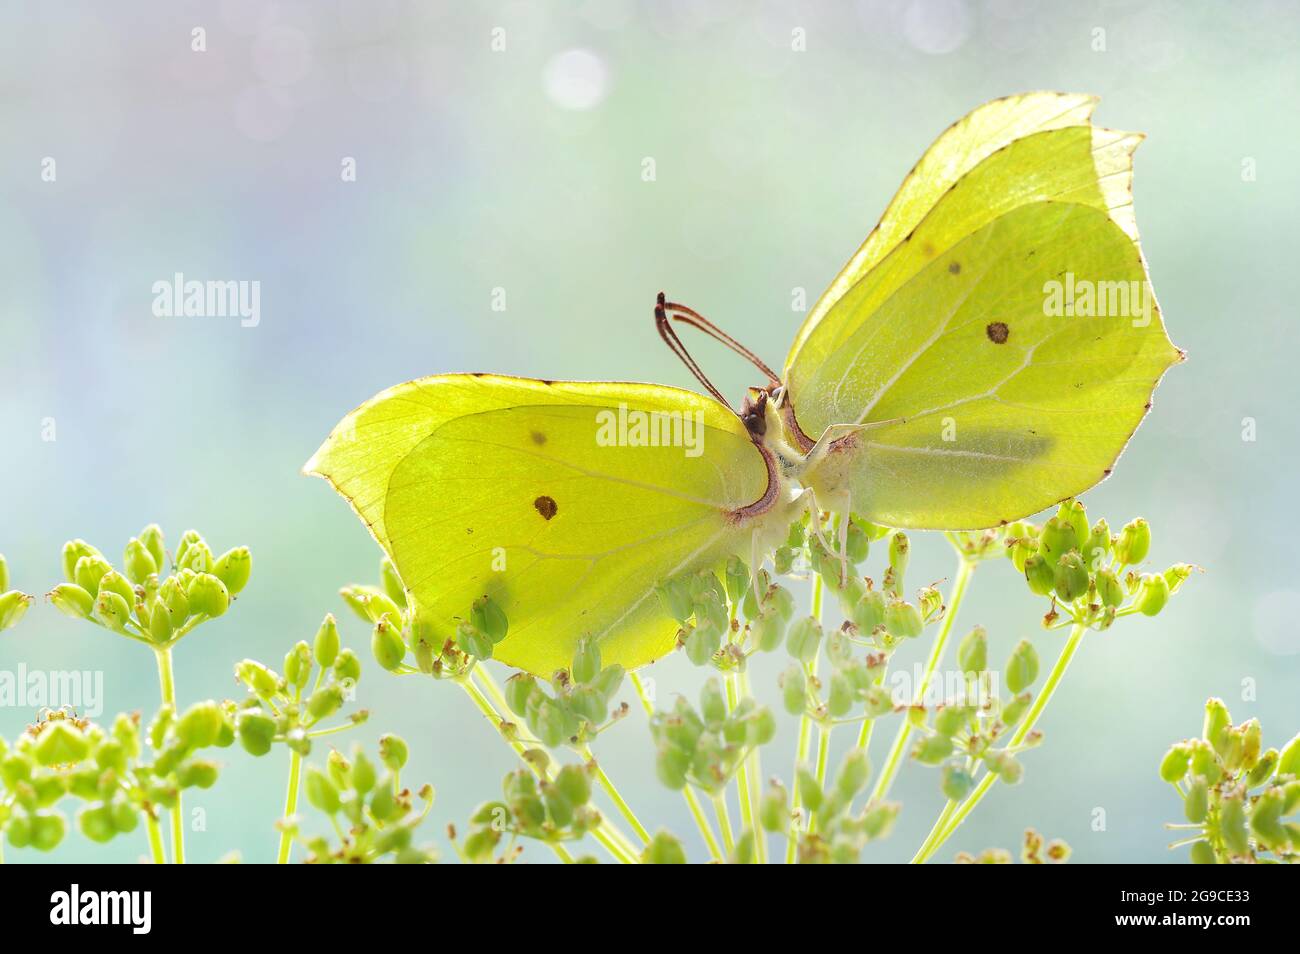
155,839
805,736
290,807
688,794
612,791
823,756
617,847
724,821
755,778
894,760
945,827
742,774
167,686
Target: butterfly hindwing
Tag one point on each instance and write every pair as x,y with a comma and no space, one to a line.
564,502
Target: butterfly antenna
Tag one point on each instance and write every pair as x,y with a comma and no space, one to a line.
676,347
693,318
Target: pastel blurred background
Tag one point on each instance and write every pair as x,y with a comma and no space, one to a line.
522,169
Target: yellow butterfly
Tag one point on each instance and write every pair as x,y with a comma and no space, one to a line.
986,353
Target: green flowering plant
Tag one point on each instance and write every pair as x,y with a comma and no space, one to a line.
711,749
1241,801
125,773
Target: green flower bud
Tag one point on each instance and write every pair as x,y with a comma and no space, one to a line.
1022,667
794,689
60,743
1263,769
113,610
115,582
72,600
1175,763
1217,722
362,774
1177,575
297,664
200,724
1134,542
208,595
663,849
1252,741
393,752
347,668
260,680
1266,820
325,648
1232,825
774,807
675,599
13,607
1070,578
391,582
869,611
574,783
840,698
233,568
1005,766
73,551
1097,550
325,701
1040,575
1109,589
197,774
160,622
973,651
1196,803
810,793
1288,762
1154,594
956,782
713,704
1057,539
138,561
951,719
152,538
672,765
586,660
520,689
321,792
387,646
933,749
256,731
903,620
487,616
854,773
702,644
899,555
804,639
96,823
1075,514
857,543
736,577
1202,854
879,819
48,829
768,631
173,594
1205,761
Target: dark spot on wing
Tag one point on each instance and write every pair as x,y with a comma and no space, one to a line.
546,507
954,268
927,249
998,332
538,438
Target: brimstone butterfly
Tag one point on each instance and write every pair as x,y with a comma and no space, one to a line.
986,353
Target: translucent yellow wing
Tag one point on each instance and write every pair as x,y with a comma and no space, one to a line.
999,357
565,502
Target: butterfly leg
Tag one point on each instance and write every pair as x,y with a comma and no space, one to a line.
815,519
